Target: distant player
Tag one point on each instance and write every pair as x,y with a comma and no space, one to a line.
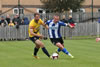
35,36
54,34
98,39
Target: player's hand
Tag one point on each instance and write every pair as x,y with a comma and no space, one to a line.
41,36
70,26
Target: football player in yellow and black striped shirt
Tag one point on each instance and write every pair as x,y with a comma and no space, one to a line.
35,36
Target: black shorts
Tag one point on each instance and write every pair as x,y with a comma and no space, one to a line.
33,39
56,40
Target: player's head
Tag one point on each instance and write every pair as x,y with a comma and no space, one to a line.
36,17
56,18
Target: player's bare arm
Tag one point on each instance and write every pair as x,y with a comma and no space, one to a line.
34,34
46,26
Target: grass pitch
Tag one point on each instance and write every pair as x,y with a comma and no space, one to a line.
19,54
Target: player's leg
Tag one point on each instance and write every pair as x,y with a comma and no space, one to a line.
61,41
54,41
58,50
36,49
43,47
61,45
63,49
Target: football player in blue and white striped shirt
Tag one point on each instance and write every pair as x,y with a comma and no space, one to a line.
54,34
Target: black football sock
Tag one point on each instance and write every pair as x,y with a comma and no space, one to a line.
45,51
35,51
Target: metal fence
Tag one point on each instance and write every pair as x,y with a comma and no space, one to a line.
77,16
82,30
12,33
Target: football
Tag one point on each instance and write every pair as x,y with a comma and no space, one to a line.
54,56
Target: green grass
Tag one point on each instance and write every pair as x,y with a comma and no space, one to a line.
18,54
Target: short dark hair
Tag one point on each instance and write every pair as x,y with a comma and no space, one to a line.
36,14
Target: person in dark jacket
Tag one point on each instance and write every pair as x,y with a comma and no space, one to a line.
3,22
71,21
64,19
17,21
8,19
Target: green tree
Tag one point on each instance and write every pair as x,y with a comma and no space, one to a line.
62,5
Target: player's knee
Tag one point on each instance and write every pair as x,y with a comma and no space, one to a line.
37,46
41,45
38,42
59,45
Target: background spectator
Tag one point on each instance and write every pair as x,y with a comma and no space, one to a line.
26,21
64,19
3,22
72,23
11,23
70,20
8,19
22,22
17,21
99,20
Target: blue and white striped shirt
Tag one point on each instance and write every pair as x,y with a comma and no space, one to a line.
54,28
